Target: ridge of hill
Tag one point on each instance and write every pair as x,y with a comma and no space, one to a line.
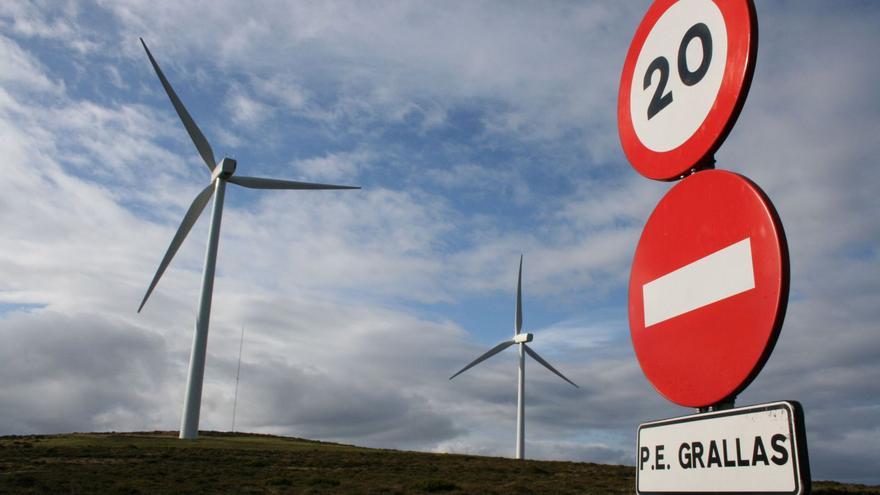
217,462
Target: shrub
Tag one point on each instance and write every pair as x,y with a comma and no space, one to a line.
438,486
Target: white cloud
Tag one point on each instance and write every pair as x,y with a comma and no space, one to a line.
34,19
469,178
288,93
21,70
245,110
346,166
390,61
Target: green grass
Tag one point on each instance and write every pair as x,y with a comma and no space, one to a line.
141,463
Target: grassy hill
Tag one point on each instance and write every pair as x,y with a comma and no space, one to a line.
158,462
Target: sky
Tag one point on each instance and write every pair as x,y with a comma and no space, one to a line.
479,131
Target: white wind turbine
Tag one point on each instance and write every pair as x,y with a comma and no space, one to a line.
521,339
221,173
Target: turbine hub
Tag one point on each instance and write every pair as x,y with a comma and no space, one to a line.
522,338
224,169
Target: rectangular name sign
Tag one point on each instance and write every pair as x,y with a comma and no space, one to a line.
760,448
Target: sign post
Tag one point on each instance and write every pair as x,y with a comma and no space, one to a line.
710,276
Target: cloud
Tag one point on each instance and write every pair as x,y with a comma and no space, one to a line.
245,110
481,181
478,132
390,62
21,70
33,20
56,382
344,166
289,93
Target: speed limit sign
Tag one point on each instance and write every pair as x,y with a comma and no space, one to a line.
684,82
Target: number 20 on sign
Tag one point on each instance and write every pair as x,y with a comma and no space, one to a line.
684,83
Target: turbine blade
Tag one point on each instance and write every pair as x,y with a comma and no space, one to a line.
491,352
194,133
519,298
261,183
195,209
539,359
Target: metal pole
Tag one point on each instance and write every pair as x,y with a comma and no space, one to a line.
728,403
189,422
520,405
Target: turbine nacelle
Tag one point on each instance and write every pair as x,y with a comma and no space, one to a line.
522,338
224,169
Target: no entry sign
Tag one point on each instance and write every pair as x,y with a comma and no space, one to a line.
708,288
684,82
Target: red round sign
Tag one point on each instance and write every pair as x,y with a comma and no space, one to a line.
708,288
684,82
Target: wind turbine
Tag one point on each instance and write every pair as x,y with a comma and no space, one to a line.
521,339
221,173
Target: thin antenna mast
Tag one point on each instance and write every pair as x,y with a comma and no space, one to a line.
237,374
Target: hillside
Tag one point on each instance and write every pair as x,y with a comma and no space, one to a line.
158,462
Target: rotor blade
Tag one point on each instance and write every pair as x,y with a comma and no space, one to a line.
539,359
261,183
195,209
491,352
519,297
194,133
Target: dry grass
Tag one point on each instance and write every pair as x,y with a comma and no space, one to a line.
158,462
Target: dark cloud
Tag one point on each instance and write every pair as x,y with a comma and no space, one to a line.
78,372
316,405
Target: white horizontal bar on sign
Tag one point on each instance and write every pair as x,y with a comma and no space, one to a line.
722,274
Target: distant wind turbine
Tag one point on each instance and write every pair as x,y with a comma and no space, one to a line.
221,173
521,339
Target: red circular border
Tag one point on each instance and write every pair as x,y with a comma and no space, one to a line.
707,355
697,151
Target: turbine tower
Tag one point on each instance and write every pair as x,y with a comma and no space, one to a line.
521,339
221,173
